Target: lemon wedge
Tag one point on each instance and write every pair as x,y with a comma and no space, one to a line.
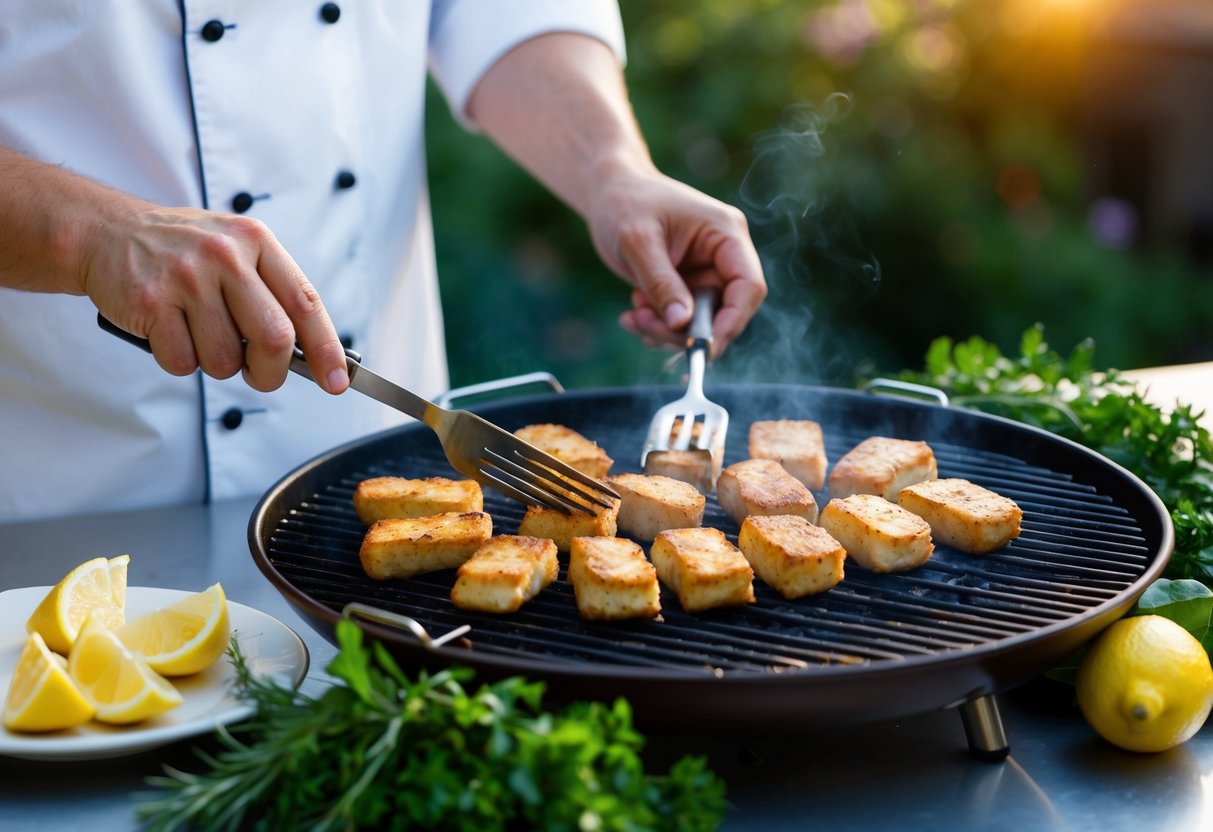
117,569
1145,684
183,638
96,584
42,697
116,682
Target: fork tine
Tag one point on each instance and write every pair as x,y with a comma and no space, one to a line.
531,454
482,439
539,470
686,430
533,482
659,431
715,422
519,480
524,492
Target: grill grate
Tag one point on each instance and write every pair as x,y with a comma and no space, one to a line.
1078,550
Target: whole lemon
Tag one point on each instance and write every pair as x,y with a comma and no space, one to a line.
1145,684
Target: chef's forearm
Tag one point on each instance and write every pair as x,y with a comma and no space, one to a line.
47,214
557,104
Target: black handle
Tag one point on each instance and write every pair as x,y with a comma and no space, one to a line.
113,329
298,361
352,357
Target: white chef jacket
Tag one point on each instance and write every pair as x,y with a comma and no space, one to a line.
308,116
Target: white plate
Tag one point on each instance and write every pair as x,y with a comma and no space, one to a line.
271,648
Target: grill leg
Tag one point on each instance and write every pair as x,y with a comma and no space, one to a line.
983,728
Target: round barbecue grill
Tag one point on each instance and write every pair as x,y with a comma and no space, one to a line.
953,632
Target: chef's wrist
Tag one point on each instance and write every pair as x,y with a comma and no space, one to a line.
71,215
100,218
620,165
44,218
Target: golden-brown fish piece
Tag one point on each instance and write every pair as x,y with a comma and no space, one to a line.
963,514
652,504
380,498
796,444
612,579
762,486
700,468
791,554
703,568
883,466
504,573
696,468
541,521
569,446
403,547
879,535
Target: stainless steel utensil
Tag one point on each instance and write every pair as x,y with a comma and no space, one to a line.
475,448
702,424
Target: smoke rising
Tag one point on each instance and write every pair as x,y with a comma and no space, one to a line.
816,266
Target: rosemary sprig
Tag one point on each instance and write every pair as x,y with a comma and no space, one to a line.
379,749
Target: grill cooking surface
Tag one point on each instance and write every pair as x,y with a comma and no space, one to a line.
1079,549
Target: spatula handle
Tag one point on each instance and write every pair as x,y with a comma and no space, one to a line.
700,332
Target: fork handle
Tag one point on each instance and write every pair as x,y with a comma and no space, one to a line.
699,335
117,331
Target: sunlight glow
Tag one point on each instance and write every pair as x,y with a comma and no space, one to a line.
1019,18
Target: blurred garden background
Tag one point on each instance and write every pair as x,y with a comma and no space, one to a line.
909,168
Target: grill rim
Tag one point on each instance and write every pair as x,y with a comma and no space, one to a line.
997,664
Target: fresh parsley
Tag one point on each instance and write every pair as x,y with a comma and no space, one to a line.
379,749
1169,450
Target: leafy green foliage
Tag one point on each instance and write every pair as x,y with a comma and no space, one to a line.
1170,451
917,173
382,750
1194,541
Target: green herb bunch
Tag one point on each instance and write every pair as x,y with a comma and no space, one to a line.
1170,451
381,750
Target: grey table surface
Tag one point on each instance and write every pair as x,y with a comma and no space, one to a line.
912,774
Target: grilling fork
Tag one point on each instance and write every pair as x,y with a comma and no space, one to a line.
474,446
694,407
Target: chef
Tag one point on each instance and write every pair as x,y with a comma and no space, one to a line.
226,178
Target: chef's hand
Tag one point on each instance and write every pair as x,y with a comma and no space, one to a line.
666,238
558,104
213,291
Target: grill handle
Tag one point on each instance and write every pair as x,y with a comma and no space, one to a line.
403,623
498,385
894,387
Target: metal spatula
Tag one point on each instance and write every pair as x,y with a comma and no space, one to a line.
475,448
701,424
